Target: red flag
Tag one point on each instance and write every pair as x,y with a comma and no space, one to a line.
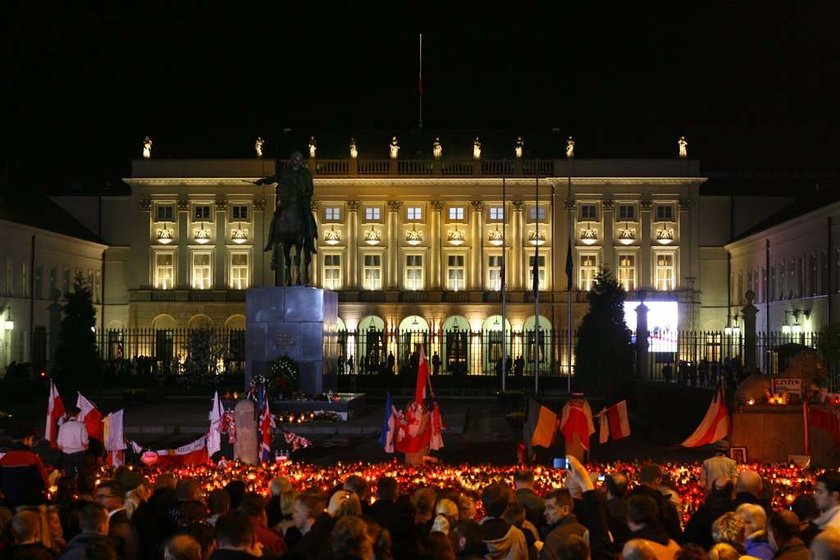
91,416
194,453
414,432
715,424
420,392
577,419
618,420
55,410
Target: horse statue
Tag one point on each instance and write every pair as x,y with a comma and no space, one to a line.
292,226
288,231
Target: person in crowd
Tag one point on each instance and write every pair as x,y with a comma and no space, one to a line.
182,547
516,515
827,496
235,538
691,552
218,504
729,529
718,466
314,524
236,489
381,538
783,535
424,510
387,511
638,549
467,533
643,519
826,545
273,507
805,508
698,530
502,539
151,517
573,547
724,551
111,495
56,531
23,477
446,514
523,484
93,522
287,502
26,538
466,507
350,540
435,546
344,503
137,490
755,531
560,522
616,507
650,479
358,485
253,505
73,442
749,489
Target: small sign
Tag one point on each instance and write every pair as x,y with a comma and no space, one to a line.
790,386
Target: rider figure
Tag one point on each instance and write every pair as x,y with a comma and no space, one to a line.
295,188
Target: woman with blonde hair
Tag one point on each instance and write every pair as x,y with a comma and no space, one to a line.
755,531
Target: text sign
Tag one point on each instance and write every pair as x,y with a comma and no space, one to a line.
786,385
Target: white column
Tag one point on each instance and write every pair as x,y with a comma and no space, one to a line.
435,240
476,255
258,234
184,240
220,251
516,272
607,235
394,242
646,254
352,241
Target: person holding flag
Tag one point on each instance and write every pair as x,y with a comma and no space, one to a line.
420,428
55,411
73,443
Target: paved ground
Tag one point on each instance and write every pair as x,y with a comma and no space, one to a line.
477,430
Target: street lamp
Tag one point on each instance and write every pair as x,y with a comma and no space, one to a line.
8,324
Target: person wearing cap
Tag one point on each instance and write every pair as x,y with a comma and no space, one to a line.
23,477
73,443
719,466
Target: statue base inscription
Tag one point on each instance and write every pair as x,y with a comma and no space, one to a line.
298,322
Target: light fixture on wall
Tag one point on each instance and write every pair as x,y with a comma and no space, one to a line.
536,238
332,237
9,324
495,237
165,235
456,237
202,236
626,236
588,235
373,237
239,235
413,237
665,236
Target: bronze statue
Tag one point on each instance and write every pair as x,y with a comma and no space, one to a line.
293,224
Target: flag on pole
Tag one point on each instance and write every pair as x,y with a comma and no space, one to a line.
194,453
421,425
55,410
614,422
577,419
389,425
421,388
91,416
806,413
114,437
214,436
570,267
266,426
715,424
545,429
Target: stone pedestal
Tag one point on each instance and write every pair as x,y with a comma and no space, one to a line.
297,322
245,448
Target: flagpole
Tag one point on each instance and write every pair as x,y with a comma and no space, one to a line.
420,82
536,272
569,255
504,272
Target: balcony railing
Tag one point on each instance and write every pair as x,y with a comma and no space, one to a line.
425,167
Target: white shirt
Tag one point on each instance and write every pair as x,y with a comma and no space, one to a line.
72,436
830,518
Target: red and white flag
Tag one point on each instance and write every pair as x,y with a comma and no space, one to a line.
715,424
194,453
577,419
91,416
214,436
420,427
55,410
614,422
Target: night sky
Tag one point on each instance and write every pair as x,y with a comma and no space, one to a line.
755,89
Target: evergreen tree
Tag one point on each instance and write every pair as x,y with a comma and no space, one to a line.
603,355
76,357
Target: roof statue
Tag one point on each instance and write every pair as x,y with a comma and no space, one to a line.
570,148
147,147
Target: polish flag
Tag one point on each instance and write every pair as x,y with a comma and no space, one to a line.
614,422
214,436
188,455
55,410
91,416
715,424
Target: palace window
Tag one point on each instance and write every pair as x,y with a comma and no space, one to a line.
536,214
664,212
664,272
164,270
456,214
239,212
414,272
332,272
588,269
164,213
540,271
201,213
201,271
373,214
627,272
332,214
588,212
497,213
626,212
455,273
239,271
373,272
414,214
494,273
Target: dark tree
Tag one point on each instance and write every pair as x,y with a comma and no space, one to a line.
76,356
603,355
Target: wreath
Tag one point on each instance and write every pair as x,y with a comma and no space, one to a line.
284,375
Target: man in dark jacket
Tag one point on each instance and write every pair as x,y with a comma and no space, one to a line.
93,521
561,522
26,533
650,479
783,534
523,483
23,477
616,507
235,538
699,527
315,525
643,521
749,488
390,515
502,539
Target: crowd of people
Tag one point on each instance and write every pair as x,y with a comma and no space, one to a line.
207,512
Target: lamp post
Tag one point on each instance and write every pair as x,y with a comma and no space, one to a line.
8,327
